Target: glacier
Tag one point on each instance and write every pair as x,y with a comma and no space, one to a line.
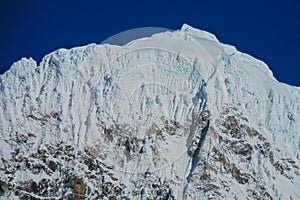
177,115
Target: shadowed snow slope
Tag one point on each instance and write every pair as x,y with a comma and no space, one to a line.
178,115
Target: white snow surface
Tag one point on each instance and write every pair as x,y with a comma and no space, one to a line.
168,76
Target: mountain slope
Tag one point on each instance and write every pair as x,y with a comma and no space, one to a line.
178,115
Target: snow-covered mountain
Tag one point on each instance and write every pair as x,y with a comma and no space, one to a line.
178,115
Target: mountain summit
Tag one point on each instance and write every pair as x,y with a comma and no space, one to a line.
177,115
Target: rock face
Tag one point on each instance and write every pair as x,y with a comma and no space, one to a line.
175,116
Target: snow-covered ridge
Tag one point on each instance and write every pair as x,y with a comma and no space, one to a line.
198,33
148,111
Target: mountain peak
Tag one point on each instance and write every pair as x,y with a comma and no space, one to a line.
177,115
198,33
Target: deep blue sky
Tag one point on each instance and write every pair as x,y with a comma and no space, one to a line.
268,30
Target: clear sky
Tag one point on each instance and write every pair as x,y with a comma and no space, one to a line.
266,29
